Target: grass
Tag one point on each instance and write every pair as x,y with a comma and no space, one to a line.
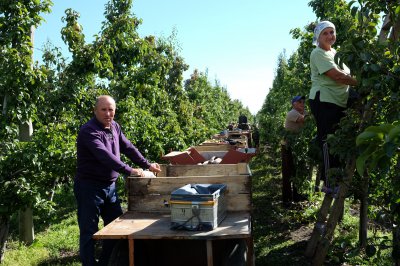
275,228
280,234
56,236
57,245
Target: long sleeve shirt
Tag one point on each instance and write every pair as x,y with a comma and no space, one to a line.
99,152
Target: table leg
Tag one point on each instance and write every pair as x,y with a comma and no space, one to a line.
250,251
131,253
209,253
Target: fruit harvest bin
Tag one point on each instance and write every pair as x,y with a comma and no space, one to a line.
198,206
147,220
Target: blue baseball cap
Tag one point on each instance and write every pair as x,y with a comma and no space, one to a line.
298,98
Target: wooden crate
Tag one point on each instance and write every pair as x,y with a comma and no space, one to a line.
192,157
153,194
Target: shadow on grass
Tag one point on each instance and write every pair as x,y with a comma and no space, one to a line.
285,256
280,239
66,260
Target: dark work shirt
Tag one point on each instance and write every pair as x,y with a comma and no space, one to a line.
99,150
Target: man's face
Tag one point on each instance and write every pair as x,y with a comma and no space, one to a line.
299,105
105,111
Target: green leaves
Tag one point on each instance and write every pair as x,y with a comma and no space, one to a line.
378,144
144,75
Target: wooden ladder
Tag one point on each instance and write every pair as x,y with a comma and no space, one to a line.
322,235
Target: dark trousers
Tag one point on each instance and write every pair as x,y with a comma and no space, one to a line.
95,199
327,116
289,190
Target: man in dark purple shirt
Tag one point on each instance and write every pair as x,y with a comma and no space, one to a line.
99,146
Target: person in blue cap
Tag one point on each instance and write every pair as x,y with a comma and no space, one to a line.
294,122
296,116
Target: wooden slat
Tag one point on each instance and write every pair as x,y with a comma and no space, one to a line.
202,170
165,185
131,253
207,155
209,253
134,225
215,147
155,203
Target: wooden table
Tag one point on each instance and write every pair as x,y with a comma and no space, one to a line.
148,215
136,225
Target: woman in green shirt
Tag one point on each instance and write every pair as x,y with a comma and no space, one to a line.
329,90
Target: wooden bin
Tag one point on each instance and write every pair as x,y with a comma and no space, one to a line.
192,157
153,194
148,219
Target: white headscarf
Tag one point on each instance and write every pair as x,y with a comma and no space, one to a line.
319,28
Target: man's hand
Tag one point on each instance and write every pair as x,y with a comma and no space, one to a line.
155,167
137,172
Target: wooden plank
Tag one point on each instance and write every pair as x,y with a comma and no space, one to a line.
250,258
202,170
235,156
135,225
131,253
214,147
238,184
157,203
184,158
209,253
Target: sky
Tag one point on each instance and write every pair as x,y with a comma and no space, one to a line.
236,42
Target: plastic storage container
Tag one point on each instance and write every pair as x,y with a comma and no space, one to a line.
198,206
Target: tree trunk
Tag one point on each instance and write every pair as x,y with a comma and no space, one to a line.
362,233
53,189
4,105
396,217
26,231
4,226
396,244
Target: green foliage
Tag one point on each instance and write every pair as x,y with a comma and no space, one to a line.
374,60
144,75
20,93
378,144
292,78
20,83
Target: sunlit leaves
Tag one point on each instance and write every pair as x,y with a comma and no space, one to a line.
378,145
144,75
